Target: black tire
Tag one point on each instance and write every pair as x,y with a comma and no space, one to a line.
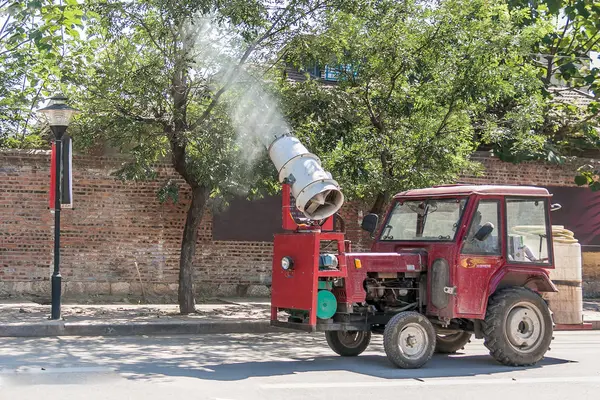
407,326
448,344
518,326
348,343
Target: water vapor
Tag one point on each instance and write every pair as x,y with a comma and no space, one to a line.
254,112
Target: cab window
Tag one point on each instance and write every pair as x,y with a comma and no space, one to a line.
528,237
424,220
485,217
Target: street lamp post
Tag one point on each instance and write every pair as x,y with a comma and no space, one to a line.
58,115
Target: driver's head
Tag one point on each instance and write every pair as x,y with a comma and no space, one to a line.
476,222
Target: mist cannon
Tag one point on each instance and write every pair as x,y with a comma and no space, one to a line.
317,194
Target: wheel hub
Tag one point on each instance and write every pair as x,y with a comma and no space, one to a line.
524,328
351,338
413,341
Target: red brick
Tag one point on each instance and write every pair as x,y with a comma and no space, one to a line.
115,224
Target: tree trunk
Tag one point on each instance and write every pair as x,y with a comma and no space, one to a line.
188,250
379,203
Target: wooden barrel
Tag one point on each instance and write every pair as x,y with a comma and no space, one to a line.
567,304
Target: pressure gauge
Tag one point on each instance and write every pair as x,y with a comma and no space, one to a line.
287,263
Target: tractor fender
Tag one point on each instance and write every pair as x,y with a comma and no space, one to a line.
536,279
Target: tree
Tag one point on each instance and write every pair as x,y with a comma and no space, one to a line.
32,50
416,91
563,59
175,80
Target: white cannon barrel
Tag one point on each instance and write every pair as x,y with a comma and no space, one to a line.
317,195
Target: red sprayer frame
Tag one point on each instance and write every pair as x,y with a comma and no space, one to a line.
296,289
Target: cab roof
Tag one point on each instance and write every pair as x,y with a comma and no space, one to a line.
465,190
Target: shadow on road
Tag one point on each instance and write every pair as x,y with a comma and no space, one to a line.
235,357
371,365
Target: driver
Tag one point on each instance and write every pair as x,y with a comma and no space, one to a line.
487,246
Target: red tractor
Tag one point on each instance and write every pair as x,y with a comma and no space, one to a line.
446,263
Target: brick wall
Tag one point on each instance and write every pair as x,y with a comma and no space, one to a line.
116,226
527,173
115,229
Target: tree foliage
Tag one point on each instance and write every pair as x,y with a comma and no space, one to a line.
564,64
34,37
417,92
165,82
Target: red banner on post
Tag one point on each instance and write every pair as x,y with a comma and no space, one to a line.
52,176
65,174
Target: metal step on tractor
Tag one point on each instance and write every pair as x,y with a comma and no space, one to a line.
447,263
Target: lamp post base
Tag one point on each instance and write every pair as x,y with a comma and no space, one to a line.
56,293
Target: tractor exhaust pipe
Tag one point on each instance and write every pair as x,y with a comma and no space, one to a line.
317,195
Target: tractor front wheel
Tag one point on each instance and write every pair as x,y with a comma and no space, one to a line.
348,343
409,340
517,326
451,343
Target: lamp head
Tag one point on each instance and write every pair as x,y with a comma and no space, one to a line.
57,112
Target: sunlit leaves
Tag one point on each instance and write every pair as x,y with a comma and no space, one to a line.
35,38
427,84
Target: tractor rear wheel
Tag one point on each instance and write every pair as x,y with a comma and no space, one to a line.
517,326
409,340
451,343
348,343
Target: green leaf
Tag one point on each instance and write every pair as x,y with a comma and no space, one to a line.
581,180
554,6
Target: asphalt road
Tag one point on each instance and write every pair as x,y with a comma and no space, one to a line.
281,366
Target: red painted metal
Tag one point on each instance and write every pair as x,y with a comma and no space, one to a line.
475,277
52,177
467,190
522,275
297,288
474,272
585,326
447,251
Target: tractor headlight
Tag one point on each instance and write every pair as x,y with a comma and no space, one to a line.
287,263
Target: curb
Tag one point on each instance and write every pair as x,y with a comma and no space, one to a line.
60,328
586,325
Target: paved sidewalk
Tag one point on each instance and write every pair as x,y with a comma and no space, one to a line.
591,313
28,319
225,316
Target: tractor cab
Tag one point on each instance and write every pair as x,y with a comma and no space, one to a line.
477,239
479,219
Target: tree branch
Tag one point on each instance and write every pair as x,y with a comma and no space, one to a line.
235,71
268,34
376,122
33,103
283,54
438,133
561,37
591,45
15,47
429,40
302,15
393,80
5,22
149,33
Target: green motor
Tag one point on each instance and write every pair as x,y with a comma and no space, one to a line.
326,304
